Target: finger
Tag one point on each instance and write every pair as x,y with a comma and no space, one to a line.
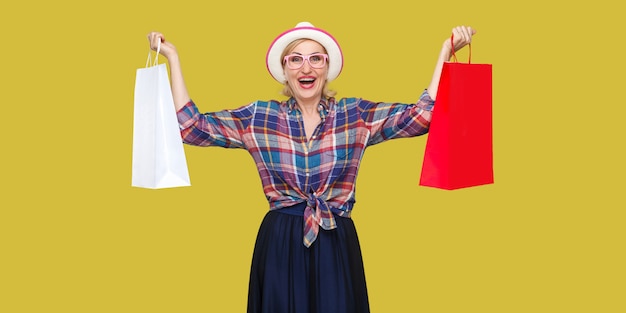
156,38
459,37
150,38
457,31
467,35
464,34
469,31
155,43
456,34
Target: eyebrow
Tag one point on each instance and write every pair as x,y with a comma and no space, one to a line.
307,54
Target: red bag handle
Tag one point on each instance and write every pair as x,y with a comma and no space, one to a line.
469,61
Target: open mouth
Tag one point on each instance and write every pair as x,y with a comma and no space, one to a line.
306,81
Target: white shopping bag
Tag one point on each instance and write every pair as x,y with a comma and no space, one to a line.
158,154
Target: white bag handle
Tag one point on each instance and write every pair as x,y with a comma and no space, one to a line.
156,58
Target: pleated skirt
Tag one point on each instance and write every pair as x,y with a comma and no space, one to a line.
288,277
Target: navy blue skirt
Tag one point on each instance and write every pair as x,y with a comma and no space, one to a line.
287,277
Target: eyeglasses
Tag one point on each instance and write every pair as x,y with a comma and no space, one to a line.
296,61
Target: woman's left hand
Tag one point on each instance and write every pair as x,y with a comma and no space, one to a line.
462,36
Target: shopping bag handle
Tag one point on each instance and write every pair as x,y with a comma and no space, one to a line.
156,58
469,61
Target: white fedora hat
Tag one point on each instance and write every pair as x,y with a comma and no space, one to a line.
308,31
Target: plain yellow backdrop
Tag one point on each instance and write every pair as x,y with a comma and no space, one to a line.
548,236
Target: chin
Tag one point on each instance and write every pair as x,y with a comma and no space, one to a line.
308,95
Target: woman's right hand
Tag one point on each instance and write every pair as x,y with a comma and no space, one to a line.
168,50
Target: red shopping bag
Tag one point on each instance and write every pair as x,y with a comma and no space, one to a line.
459,149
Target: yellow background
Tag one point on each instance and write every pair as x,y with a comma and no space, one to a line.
548,236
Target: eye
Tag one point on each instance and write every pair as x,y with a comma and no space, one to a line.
315,58
295,59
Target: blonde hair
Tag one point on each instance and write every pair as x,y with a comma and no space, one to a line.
287,89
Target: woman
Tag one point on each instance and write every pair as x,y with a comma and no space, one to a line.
307,150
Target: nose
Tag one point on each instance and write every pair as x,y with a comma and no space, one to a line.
306,66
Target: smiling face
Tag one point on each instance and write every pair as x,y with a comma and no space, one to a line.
306,83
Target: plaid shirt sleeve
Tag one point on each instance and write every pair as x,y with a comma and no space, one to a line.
224,128
396,120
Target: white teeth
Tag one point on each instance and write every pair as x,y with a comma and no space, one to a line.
307,80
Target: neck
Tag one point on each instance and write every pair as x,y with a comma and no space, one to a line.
308,106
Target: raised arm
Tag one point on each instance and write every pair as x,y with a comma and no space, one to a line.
462,35
168,50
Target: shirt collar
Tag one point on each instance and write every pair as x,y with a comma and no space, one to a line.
323,107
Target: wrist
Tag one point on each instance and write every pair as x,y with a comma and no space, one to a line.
172,57
446,51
